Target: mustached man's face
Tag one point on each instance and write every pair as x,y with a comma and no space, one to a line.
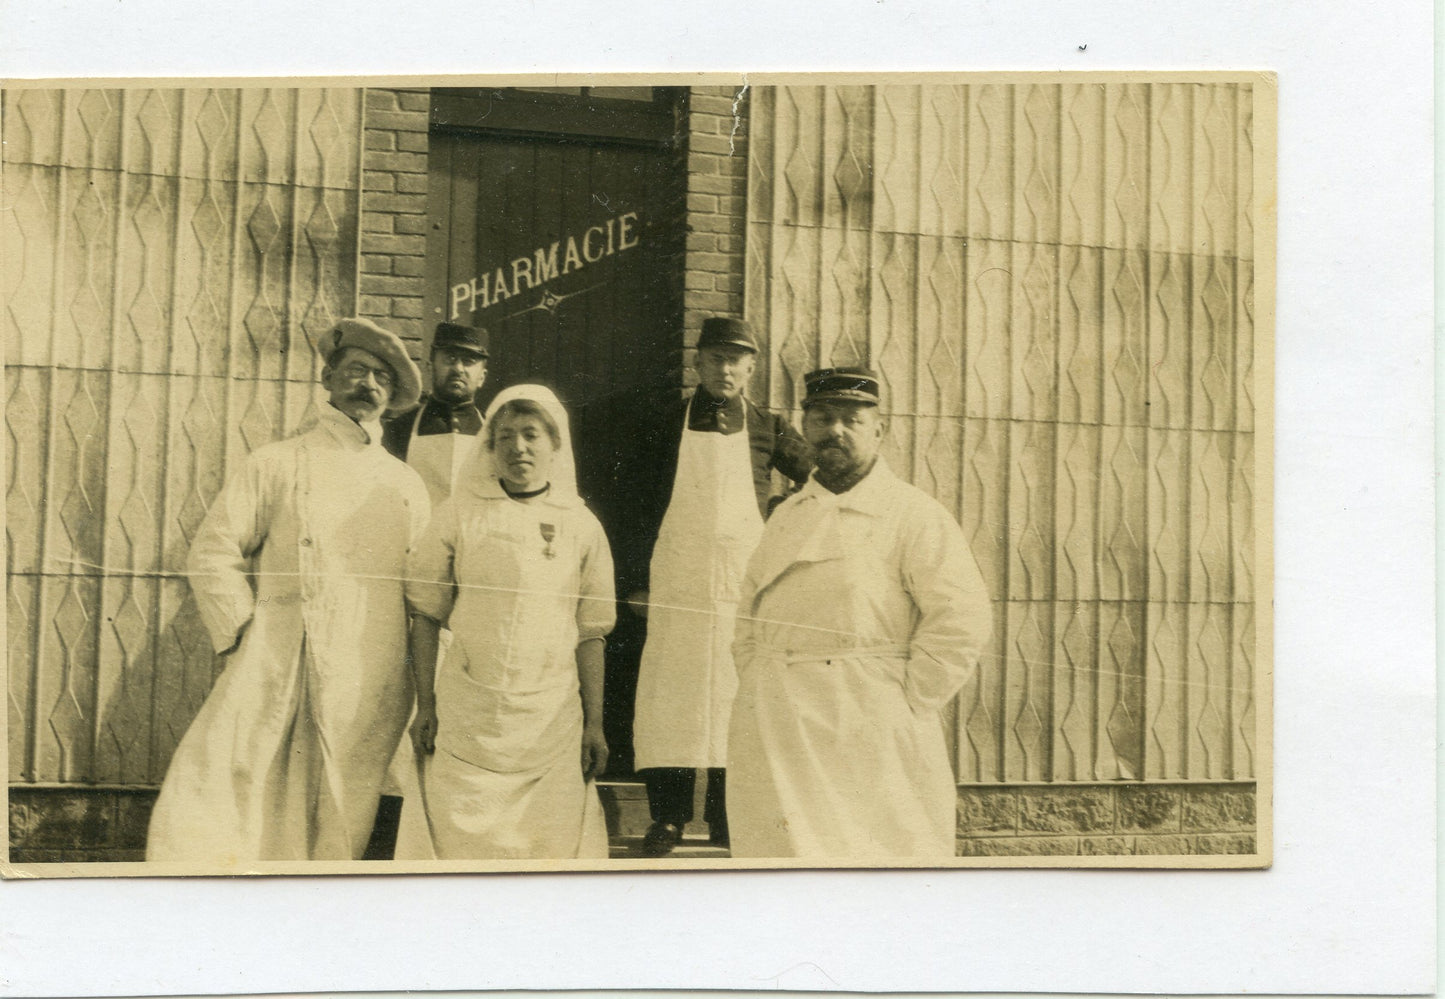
844,436
360,384
456,375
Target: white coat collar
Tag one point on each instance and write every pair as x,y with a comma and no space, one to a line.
817,534
348,431
870,496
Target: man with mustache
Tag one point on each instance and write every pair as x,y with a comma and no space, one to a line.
705,468
297,574
863,612
436,435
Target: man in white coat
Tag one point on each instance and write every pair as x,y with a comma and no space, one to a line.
862,613
297,573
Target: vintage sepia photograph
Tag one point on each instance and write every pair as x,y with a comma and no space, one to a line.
671,473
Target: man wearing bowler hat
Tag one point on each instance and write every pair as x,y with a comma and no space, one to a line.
709,462
297,574
862,613
434,436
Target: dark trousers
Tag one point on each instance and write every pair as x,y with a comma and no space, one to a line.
670,791
382,845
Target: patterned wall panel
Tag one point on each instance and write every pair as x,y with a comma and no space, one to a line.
1055,282
171,256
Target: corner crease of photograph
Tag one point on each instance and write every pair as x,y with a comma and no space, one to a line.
680,473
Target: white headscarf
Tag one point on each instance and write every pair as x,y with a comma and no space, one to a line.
480,477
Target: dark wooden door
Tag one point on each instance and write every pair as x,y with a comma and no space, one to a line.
556,224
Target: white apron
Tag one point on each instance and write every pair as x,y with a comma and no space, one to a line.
521,584
438,459
506,778
687,681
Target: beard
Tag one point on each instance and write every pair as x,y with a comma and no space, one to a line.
834,459
839,467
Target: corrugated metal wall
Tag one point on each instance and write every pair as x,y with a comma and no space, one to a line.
169,257
1056,284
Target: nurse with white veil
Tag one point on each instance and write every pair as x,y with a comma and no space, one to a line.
511,720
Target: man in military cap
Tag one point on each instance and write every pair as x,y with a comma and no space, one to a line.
862,613
297,574
709,461
434,436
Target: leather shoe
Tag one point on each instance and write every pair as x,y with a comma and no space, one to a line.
717,834
661,837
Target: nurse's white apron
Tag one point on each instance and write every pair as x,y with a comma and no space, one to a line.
687,681
438,459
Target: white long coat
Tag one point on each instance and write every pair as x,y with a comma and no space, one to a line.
301,556
861,615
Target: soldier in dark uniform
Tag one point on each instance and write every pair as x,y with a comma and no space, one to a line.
703,480
448,412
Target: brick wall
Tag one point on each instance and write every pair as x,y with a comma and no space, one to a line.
1116,820
394,204
717,180
393,211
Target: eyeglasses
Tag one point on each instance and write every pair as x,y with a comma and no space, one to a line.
356,372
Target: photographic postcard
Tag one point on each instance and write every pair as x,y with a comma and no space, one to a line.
1034,626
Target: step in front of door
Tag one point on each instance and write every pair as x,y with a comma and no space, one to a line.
691,848
625,805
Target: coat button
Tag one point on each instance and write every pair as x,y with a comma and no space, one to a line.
305,542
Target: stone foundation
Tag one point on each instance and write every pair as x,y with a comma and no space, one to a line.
1106,819
78,824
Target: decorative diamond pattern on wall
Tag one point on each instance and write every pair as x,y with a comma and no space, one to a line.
156,240
1072,377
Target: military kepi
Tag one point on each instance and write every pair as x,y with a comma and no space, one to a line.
455,336
724,331
387,346
841,385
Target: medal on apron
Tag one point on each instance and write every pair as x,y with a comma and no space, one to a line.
549,531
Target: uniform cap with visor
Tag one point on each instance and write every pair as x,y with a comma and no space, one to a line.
858,385
724,331
468,339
